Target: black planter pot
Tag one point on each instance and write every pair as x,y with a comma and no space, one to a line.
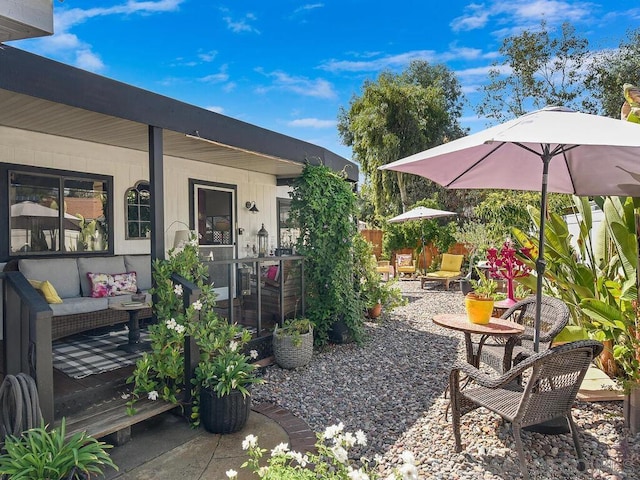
340,333
465,287
227,414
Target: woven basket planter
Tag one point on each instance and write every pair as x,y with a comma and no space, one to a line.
290,353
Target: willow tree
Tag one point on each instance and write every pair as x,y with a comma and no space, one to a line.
396,116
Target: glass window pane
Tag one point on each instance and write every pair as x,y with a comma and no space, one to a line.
132,212
35,218
87,200
133,229
145,213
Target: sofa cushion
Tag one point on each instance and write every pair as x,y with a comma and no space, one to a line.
109,265
107,285
61,272
141,264
79,305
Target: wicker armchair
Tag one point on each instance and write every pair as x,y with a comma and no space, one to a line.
501,354
551,382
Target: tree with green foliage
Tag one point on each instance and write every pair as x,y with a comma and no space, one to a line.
611,69
396,116
323,205
539,68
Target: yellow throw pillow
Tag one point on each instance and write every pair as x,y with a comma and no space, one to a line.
47,290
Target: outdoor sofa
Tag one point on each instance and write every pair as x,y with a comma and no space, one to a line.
78,311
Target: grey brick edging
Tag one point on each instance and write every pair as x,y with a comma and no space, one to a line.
301,437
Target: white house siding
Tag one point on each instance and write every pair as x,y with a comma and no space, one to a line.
129,166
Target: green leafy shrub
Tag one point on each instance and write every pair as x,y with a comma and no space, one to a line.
45,455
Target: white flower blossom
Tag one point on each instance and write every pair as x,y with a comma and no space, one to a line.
349,439
253,354
193,242
340,454
407,457
332,430
357,474
361,438
250,441
233,345
179,328
280,449
152,395
408,472
125,396
177,289
197,305
302,460
232,473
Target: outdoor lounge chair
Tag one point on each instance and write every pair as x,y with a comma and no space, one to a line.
501,354
450,269
551,382
383,267
405,264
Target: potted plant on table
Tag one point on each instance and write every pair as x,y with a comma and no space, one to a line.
479,302
293,343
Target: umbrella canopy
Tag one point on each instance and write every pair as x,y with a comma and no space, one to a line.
592,155
554,149
420,213
26,214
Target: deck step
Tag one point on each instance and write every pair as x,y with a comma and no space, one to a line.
111,417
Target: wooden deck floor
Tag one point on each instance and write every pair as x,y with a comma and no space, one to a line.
95,403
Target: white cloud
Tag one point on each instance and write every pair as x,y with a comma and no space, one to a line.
220,77
390,61
318,87
208,56
510,17
67,46
229,87
87,60
242,24
312,123
308,7
215,108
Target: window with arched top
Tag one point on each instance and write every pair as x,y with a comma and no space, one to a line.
138,211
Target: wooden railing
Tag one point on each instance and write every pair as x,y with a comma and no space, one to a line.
27,337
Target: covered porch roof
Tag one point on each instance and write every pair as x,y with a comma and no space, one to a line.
49,97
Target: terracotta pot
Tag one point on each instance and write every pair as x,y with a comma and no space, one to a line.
478,309
375,311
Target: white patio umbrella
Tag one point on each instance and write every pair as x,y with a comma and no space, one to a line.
421,213
554,149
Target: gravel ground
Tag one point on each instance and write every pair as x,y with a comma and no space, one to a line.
392,388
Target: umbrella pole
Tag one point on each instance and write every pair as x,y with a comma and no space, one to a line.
540,262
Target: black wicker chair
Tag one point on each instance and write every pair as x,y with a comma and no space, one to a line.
502,354
541,388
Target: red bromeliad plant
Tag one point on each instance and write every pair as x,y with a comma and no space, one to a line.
506,264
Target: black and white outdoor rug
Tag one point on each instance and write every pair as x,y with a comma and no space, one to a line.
81,355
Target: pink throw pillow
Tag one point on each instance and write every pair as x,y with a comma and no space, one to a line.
272,272
107,285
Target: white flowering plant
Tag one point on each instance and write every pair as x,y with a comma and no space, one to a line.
160,373
331,462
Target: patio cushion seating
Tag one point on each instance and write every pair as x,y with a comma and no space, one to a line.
554,316
78,311
450,269
551,380
405,263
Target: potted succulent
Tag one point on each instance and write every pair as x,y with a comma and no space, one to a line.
49,455
479,302
293,343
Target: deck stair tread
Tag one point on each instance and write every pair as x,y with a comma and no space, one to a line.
111,417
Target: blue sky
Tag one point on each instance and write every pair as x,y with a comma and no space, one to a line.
289,65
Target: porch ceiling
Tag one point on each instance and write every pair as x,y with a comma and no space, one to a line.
34,114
